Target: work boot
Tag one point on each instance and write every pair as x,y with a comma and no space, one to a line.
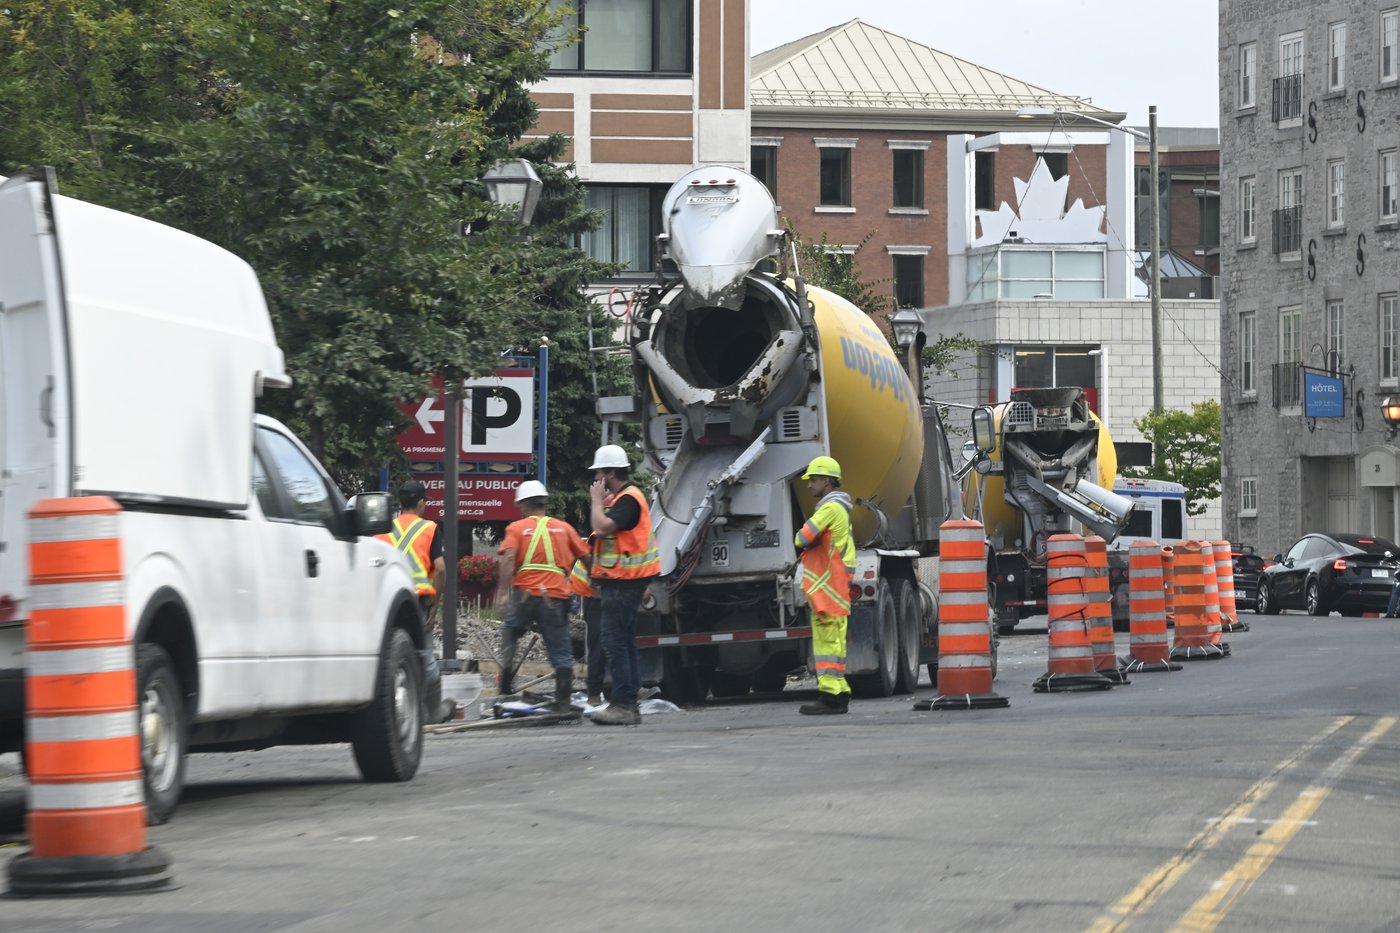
505,679
827,704
618,714
595,698
563,690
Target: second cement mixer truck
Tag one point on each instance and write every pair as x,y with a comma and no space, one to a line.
741,378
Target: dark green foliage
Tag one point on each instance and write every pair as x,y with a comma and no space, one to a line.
1190,445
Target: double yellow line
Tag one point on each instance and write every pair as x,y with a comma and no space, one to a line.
1206,913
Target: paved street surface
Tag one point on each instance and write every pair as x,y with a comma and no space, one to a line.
1258,792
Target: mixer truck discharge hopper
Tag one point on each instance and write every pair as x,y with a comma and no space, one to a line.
741,377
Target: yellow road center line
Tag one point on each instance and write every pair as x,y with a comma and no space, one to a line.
1163,878
1205,915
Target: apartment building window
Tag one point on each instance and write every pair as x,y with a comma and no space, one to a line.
908,176
985,170
1336,330
1336,193
1057,163
908,280
1247,234
631,219
1389,339
835,173
1390,44
1288,86
1337,56
626,36
1249,496
1248,53
1288,219
1248,334
1288,391
763,163
1209,220
1386,164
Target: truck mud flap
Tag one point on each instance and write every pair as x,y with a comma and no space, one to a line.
860,641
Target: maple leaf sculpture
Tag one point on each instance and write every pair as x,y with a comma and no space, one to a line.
1040,215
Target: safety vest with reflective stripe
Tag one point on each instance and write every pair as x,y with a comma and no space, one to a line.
413,536
630,554
579,582
828,556
530,561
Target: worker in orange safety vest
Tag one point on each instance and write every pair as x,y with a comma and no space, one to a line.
420,540
828,560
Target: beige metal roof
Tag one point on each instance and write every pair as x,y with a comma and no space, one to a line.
859,66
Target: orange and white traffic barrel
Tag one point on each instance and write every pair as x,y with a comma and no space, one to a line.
1169,582
87,809
1192,615
1225,578
1071,663
964,627
1148,648
1101,610
1209,571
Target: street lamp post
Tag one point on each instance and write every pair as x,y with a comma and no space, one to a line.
514,186
1155,242
908,330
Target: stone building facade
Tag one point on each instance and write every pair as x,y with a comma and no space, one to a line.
1310,256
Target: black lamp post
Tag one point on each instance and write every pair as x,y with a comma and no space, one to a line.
908,327
511,184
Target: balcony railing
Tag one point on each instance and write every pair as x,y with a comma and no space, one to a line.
1288,385
1288,230
1288,97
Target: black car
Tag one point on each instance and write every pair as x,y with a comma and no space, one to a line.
1323,572
1247,568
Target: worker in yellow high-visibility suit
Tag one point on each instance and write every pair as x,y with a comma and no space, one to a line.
828,560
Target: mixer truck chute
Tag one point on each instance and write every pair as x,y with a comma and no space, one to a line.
1046,465
741,378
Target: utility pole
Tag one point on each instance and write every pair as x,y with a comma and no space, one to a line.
452,442
1158,403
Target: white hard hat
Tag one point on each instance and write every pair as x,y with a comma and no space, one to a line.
530,489
610,455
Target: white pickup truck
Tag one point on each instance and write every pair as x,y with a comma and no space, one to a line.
263,610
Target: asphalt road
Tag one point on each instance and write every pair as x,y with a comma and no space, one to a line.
1261,791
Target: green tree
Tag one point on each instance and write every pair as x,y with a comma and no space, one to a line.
1190,444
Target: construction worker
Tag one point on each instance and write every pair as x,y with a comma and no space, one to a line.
828,560
420,540
624,562
532,589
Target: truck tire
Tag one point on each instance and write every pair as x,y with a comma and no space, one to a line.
725,685
387,735
772,676
911,626
681,683
163,728
880,683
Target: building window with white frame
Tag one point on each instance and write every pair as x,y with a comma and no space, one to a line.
1248,58
1389,339
1288,218
1288,84
1290,355
1390,44
1386,165
1248,334
1336,331
624,36
834,173
1249,496
1337,56
908,178
1336,193
1247,230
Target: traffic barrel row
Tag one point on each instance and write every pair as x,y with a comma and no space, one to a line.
964,621
87,810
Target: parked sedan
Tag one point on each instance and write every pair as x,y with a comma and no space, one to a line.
1248,566
1323,572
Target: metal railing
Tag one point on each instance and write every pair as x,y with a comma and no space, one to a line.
1288,230
1288,385
1288,97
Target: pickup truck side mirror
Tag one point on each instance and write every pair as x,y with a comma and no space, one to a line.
1278,558
371,513
984,435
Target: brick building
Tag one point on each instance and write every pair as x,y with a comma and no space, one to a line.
1311,267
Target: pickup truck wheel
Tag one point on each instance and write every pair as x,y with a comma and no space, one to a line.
163,732
387,735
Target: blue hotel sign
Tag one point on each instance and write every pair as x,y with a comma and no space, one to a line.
1323,395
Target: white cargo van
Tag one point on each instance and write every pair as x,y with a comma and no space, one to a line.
263,611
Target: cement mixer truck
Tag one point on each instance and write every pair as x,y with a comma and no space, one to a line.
741,377
1044,464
